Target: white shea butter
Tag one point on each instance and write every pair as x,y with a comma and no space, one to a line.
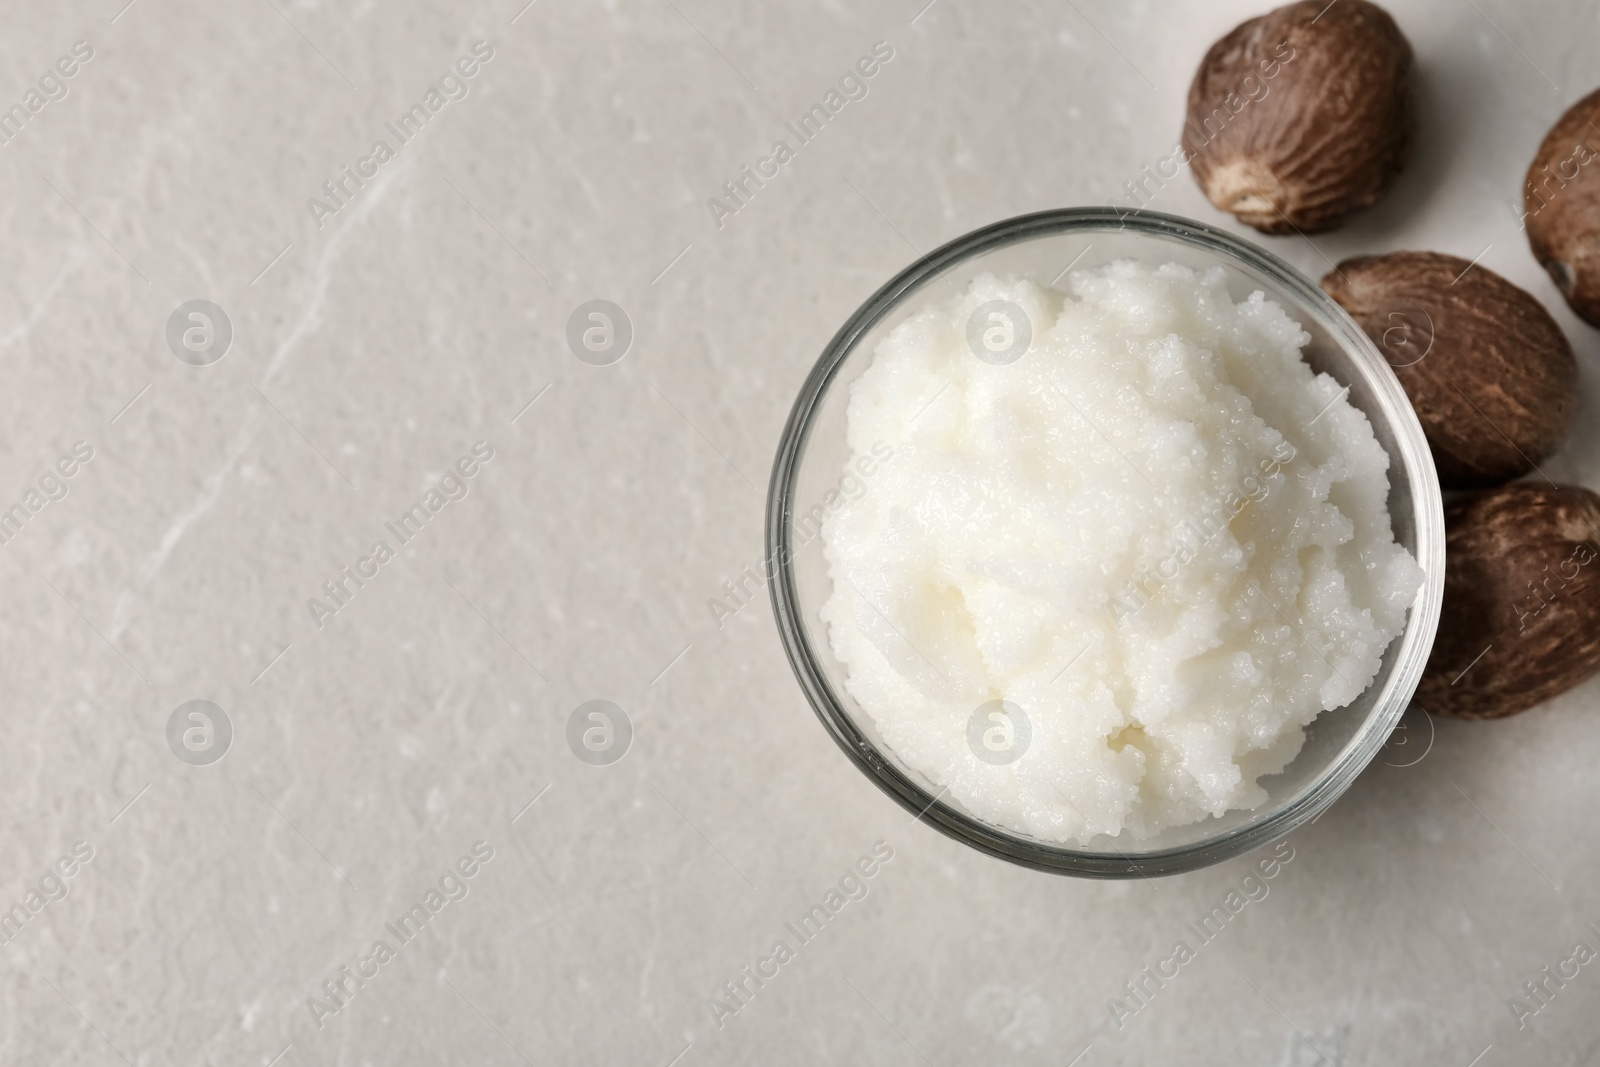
1158,534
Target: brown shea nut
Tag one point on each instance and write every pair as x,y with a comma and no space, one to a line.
1521,619
1489,372
1561,201
1301,116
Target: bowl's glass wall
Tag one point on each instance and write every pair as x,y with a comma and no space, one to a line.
1338,743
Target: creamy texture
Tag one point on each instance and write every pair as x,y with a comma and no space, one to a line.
1158,533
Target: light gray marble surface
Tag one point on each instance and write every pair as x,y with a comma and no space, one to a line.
371,351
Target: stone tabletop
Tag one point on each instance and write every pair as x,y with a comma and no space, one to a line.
340,506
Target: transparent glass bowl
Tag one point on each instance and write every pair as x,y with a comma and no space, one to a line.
813,452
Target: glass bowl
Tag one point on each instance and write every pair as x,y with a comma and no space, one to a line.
812,455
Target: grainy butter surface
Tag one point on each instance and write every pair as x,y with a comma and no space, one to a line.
1158,535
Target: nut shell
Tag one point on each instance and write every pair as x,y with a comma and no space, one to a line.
1491,375
1301,116
1522,580
1562,204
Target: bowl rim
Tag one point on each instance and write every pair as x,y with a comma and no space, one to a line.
1411,647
